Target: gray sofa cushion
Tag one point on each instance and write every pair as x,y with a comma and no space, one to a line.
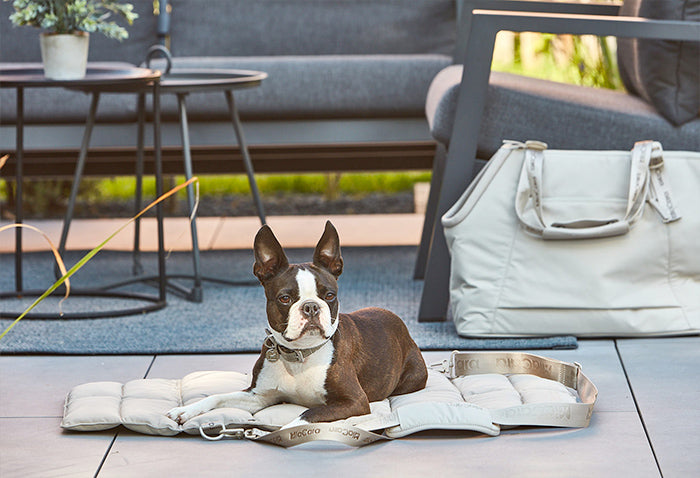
344,86
564,116
665,73
309,87
311,27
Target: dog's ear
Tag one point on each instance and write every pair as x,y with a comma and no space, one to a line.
327,253
270,258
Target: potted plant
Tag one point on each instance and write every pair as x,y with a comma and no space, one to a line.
67,25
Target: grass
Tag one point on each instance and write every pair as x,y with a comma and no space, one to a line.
48,197
224,185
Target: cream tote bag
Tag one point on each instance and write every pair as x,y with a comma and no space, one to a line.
587,243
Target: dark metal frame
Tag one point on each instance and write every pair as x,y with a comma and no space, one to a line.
181,83
475,50
111,81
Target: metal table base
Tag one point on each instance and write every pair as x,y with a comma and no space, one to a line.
103,78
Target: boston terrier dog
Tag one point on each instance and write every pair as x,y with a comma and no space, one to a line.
334,364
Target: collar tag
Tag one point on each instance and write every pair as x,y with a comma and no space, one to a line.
275,351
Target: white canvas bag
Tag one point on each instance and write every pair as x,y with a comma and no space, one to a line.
549,242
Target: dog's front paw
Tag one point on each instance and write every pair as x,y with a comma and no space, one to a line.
182,414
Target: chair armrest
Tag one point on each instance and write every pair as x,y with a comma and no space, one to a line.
465,10
543,6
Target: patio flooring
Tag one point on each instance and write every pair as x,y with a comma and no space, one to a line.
645,422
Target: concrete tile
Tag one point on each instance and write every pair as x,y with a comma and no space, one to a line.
37,447
613,445
36,386
665,379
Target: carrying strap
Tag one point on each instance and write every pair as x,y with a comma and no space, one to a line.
356,431
646,183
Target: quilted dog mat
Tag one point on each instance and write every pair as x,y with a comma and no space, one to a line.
476,391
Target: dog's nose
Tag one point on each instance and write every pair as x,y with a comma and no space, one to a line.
310,309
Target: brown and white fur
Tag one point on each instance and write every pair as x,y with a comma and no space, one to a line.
361,357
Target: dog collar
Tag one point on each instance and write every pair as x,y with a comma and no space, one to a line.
275,351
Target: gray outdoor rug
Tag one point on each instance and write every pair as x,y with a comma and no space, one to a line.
230,319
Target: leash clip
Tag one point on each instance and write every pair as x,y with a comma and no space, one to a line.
235,433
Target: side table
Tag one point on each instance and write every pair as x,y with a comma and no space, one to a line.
181,83
100,78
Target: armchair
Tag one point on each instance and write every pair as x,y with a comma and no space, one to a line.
471,109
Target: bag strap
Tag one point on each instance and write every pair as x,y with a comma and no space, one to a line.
576,415
646,155
659,195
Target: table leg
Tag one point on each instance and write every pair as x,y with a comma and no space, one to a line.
248,163
196,293
162,280
19,213
78,174
138,199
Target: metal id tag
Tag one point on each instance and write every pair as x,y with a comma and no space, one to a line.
272,355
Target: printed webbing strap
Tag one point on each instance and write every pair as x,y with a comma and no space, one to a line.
338,432
541,414
659,194
646,183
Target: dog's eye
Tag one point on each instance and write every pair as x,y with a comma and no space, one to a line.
329,296
285,299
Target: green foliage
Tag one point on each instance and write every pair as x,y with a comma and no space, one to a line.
70,16
566,59
222,185
48,197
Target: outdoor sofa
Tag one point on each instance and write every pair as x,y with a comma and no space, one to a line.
346,87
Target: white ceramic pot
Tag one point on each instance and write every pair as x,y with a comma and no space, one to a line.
64,55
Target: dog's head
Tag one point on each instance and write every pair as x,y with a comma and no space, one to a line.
302,299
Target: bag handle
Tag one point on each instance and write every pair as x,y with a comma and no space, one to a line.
646,155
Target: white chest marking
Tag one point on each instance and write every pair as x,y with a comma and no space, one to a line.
299,383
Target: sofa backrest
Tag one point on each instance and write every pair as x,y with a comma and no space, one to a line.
311,27
22,43
265,27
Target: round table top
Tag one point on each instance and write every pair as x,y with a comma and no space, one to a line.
199,79
116,77
98,76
